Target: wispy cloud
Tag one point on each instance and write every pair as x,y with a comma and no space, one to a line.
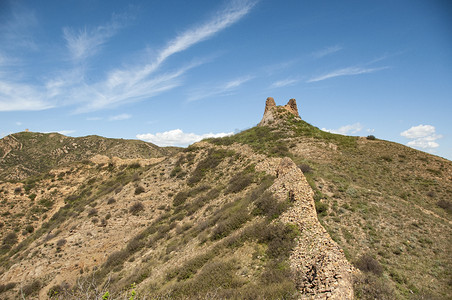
284,82
119,86
346,72
278,67
177,137
83,43
422,136
120,117
222,20
17,96
326,51
86,42
347,129
219,89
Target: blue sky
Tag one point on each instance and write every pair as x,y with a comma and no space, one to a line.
172,72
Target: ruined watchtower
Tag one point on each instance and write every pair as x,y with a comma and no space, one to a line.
273,113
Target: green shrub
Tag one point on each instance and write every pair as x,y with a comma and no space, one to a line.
239,182
139,190
29,228
61,242
280,239
305,168
7,287
58,291
116,258
229,223
134,245
267,205
134,166
367,286
10,239
446,205
321,208
136,208
367,263
180,198
31,288
92,212
212,160
214,277
371,137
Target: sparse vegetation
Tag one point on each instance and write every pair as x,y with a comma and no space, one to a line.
367,263
446,205
136,208
139,190
31,288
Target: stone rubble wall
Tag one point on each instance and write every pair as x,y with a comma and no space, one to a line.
320,268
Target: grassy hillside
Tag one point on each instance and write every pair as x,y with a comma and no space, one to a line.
381,201
201,224
27,153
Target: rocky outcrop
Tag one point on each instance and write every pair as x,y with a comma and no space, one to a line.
273,113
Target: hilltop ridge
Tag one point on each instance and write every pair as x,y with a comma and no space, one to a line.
28,153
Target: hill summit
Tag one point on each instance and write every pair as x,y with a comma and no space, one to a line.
274,113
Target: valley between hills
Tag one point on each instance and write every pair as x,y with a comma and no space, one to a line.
283,210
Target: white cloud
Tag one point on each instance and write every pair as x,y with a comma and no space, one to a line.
283,83
423,144
18,123
418,131
347,129
177,137
422,136
85,42
63,132
327,51
220,89
120,117
346,72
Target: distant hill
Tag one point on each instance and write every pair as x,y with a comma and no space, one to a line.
283,210
28,153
